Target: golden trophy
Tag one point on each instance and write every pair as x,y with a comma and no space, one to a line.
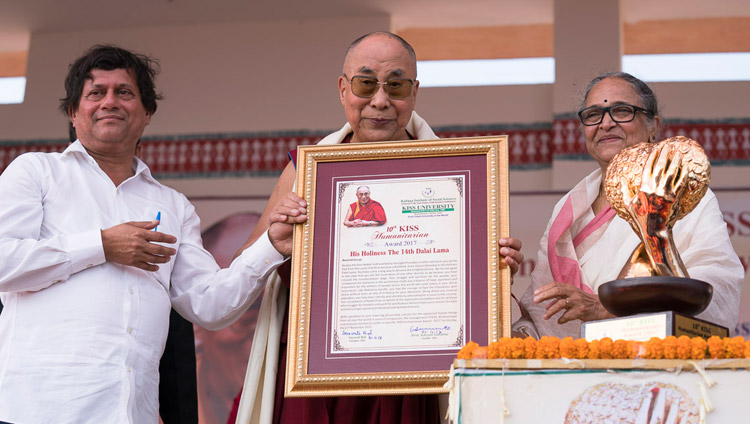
651,186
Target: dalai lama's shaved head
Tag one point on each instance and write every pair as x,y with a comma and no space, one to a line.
407,47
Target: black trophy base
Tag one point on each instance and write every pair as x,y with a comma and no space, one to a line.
631,296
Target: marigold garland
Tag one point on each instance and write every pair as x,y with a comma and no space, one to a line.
670,347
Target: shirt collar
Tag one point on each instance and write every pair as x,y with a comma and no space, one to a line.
76,148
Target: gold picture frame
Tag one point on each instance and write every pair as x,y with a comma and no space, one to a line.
432,247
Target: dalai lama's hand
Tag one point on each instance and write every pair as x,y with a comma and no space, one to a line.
574,302
510,249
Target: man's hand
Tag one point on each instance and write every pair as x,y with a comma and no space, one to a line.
134,244
510,249
291,210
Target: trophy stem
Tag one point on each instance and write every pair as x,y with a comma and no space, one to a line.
663,255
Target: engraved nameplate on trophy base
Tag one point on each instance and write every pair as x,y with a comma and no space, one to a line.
642,327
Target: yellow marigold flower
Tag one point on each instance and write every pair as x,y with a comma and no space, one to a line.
567,348
529,348
467,352
669,346
734,347
654,348
594,352
605,348
698,347
715,347
683,347
622,349
582,349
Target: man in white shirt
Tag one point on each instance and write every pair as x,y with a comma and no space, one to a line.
96,251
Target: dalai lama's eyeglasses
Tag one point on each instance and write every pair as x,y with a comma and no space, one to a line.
621,113
396,88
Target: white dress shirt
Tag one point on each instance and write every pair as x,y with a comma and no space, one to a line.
81,338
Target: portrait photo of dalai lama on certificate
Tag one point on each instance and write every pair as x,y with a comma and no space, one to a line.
365,212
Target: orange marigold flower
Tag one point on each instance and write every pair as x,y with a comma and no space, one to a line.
715,347
493,350
622,349
567,348
529,348
467,352
517,348
582,349
734,347
499,349
669,346
654,348
548,347
605,348
747,349
594,352
698,347
683,347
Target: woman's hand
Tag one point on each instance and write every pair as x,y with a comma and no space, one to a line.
574,302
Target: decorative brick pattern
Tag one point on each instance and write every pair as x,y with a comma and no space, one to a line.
723,142
267,154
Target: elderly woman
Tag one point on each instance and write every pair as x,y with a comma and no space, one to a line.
586,244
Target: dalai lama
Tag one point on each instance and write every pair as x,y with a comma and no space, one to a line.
365,212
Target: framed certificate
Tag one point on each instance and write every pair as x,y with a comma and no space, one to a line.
397,266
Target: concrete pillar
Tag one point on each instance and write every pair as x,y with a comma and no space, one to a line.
588,42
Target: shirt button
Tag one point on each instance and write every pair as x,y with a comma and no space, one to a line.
129,370
89,265
268,261
131,290
130,330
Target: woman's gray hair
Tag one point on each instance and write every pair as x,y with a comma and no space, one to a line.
641,88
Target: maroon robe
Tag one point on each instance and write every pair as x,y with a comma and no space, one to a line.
411,409
371,211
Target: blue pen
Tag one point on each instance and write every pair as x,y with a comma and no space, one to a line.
158,218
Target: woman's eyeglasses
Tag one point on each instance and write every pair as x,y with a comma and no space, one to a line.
621,113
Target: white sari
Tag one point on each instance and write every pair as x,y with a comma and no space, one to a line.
586,251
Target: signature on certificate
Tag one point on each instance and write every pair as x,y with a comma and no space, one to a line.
368,334
430,330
